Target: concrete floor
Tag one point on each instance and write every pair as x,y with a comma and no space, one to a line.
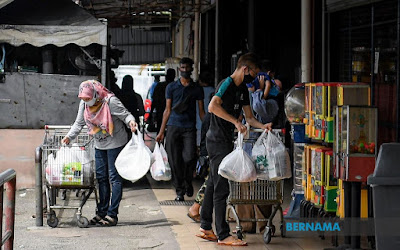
185,229
143,223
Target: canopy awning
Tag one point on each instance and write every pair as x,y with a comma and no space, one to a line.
43,22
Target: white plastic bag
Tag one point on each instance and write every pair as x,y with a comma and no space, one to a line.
85,155
53,170
259,156
278,158
160,169
135,159
67,167
238,166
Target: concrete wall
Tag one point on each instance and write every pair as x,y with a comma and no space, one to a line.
28,101
32,100
17,151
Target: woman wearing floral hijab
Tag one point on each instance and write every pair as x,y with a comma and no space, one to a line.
105,117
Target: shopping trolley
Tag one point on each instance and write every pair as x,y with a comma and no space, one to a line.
67,167
259,192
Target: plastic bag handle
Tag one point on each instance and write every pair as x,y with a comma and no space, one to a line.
137,139
240,140
140,138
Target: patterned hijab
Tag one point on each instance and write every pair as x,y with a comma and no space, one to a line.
97,117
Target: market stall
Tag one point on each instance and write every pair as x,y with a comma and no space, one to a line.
33,33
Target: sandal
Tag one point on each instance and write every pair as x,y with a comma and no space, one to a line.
195,218
236,243
108,221
95,220
207,235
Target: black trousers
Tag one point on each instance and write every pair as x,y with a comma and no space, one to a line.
182,156
217,191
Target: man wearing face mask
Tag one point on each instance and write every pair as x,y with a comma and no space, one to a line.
231,97
105,117
180,120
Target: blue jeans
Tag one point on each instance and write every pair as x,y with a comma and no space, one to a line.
106,173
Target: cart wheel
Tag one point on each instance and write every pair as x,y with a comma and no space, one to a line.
83,222
52,220
267,235
52,213
239,234
283,229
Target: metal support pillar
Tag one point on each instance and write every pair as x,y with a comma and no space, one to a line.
196,40
306,40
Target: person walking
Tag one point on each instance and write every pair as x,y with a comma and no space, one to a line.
158,103
207,83
131,100
230,99
154,85
105,117
180,116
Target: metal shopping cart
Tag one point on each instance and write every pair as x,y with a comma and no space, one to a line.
67,167
259,192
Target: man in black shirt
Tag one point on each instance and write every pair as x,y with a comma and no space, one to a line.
230,98
158,102
180,117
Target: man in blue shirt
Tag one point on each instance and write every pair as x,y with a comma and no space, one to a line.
154,85
180,119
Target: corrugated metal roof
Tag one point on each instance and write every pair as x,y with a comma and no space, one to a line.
141,46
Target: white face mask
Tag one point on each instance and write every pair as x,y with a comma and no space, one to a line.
91,102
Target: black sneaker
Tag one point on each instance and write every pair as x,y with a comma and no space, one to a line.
179,198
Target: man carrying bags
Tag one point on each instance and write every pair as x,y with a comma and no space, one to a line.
230,98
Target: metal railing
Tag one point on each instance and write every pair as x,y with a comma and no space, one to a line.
8,183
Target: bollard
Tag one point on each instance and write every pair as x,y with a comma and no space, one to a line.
8,183
39,187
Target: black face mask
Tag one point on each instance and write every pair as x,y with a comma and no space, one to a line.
248,79
186,74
